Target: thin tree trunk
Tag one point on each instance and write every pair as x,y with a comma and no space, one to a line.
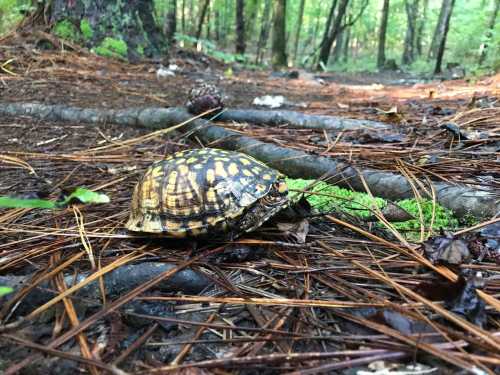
382,34
217,24
171,23
339,44
250,19
409,46
279,58
346,48
326,47
240,27
489,33
183,17
264,31
442,44
299,26
202,19
328,26
438,31
420,30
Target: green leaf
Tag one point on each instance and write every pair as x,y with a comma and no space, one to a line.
81,194
5,290
87,196
8,202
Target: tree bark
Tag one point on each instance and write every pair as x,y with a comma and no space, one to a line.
489,33
420,29
409,46
171,23
438,31
326,46
264,31
339,45
202,19
183,17
382,34
240,27
299,26
279,58
346,49
440,53
130,21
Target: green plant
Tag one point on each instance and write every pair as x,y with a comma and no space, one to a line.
111,47
327,198
5,290
86,29
66,30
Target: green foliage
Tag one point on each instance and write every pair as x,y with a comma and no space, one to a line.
11,12
111,47
5,290
443,217
66,30
330,198
86,29
83,195
210,48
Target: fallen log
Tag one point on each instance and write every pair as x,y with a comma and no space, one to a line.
299,120
461,199
116,283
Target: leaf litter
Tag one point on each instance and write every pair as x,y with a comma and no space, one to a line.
279,304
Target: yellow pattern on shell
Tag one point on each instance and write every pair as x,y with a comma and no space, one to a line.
183,169
219,169
233,169
210,176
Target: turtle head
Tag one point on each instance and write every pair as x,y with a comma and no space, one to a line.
265,208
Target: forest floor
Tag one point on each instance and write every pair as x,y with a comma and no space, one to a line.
340,302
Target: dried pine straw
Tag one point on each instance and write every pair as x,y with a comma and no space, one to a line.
294,308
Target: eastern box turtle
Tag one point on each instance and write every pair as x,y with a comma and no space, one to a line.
206,191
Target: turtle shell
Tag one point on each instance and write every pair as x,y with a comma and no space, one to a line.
200,191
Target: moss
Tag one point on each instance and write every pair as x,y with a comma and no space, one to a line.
111,47
329,197
66,30
86,29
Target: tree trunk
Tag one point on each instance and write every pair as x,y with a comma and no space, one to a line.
346,49
438,31
328,25
264,31
299,26
183,17
240,27
420,29
439,58
339,44
208,28
381,35
217,24
411,15
202,19
251,18
279,58
326,47
489,33
171,23
129,21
